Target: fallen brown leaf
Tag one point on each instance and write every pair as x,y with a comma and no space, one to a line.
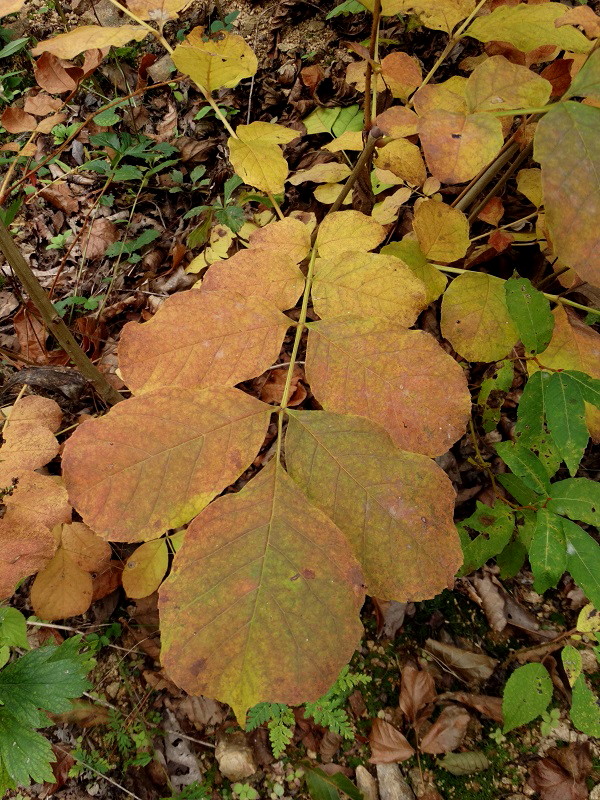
388,745
59,195
102,234
52,76
561,774
16,120
490,707
417,693
447,732
470,667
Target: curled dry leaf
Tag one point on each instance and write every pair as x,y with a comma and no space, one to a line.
447,732
562,773
468,666
417,693
60,196
116,464
272,389
384,500
490,707
274,540
52,76
89,37
64,588
388,745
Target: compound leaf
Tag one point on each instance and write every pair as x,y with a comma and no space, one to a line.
395,508
568,148
527,694
548,552
201,339
215,63
525,465
399,378
367,285
288,235
155,461
256,567
89,37
530,312
475,317
494,525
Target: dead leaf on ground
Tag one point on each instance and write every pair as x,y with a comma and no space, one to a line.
52,76
417,693
388,745
203,712
390,616
16,120
561,774
490,707
102,234
468,666
272,390
492,602
60,196
41,104
447,732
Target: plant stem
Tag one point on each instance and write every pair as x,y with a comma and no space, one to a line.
353,177
502,181
368,104
52,320
471,194
276,206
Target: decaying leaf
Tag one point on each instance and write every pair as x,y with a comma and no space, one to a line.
89,37
253,570
159,10
469,666
497,83
153,462
383,499
53,77
562,773
398,378
200,339
39,499
64,588
16,120
417,693
215,63
447,732
24,549
388,745
256,156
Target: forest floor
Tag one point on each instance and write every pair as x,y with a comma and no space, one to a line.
136,732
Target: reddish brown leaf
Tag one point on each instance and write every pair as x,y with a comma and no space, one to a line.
52,76
23,551
272,390
41,104
388,745
447,732
40,499
102,234
417,693
490,707
29,442
561,774
471,667
16,120
60,196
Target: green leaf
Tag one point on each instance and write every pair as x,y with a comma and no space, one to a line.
464,763
530,428
334,120
576,498
25,755
548,552
572,663
13,628
493,392
515,486
587,81
583,557
107,118
347,7
588,386
525,465
511,559
565,413
495,526
585,711
527,694
530,312
322,786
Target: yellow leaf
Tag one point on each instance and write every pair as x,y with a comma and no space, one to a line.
332,172
89,37
447,96
367,285
475,318
349,140
290,235
588,620
215,63
442,231
328,193
404,160
458,146
499,84
409,252
10,7
529,183
342,229
441,15
159,10
145,568
386,212
256,157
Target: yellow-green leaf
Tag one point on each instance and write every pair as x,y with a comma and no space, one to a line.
498,84
262,602
529,26
385,500
206,338
399,378
529,183
441,15
344,229
404,160
458,146
154,462
442,231
367,285
331,172
567,146
145,568
256,156
588,620
89,37
449,95
215,63
410,253
475,318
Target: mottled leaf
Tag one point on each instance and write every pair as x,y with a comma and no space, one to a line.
458,146
258,567
494,526
199,339
442,231
145,568
449,95
548,552
342,227
399,378
386,501
153,462
565,415
401,73
367,285
475,317
258,272
256,156
527,694
530,312
585,711
397,121
572,663
215,63
493,393
38,499
497,84
527,27
89,37
567,146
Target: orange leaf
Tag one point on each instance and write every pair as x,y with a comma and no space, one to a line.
16,120
258,567
153,462
39,499
53,77
287,235
29,442
401,73
24,549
